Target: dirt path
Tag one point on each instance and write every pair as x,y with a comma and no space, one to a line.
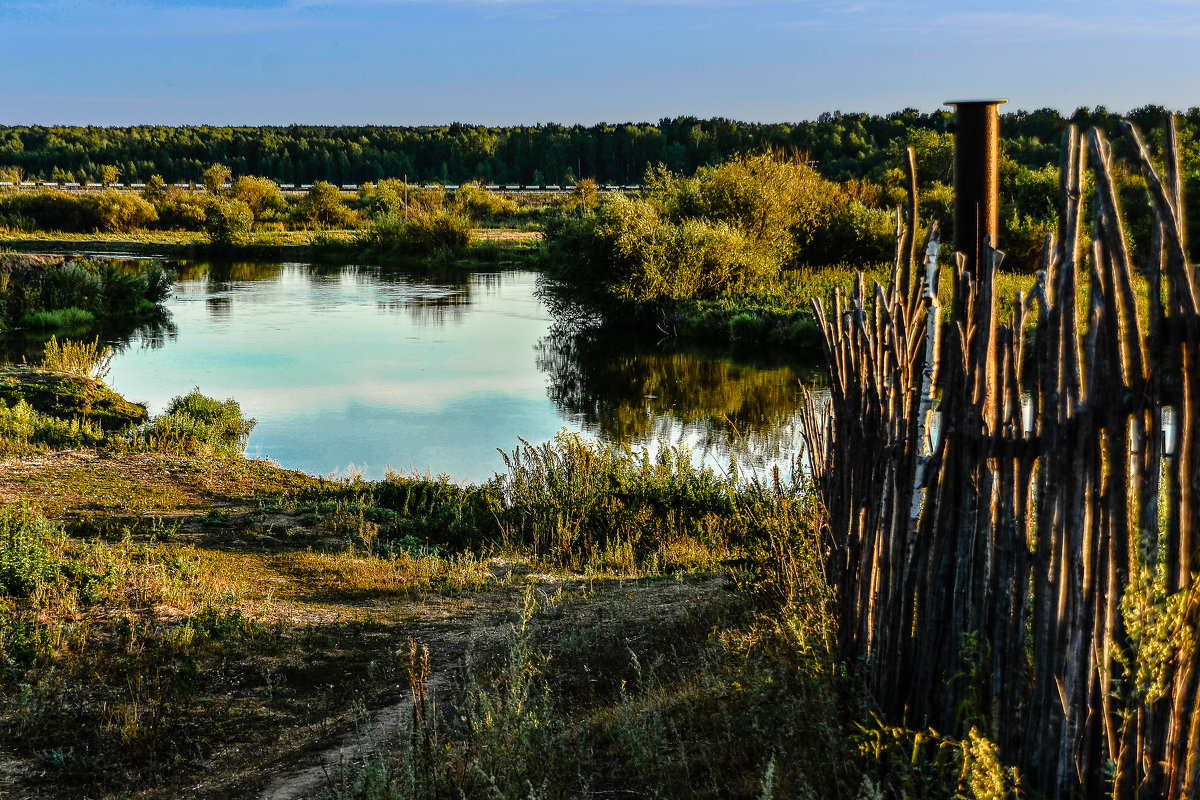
312,773
319,766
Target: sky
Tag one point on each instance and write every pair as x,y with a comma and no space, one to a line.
510,62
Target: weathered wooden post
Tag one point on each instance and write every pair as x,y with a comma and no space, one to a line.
976,176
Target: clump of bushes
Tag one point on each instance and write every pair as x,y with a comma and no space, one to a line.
82,359
24,429
107,212
726,230
479,204
195,424
35,293
322,207
226,221
419,234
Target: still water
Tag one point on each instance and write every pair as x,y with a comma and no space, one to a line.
357,369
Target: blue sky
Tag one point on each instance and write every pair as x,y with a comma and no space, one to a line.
118,62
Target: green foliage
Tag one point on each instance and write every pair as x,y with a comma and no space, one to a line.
934,152
59,319
84,359
198,425
227,221
261,195
118,212
419,235
26,561
101,289
577,502
480,204
22,429
906,763
627,252
155,190
181,210
322,207
215,178
108,211
383,199
728,230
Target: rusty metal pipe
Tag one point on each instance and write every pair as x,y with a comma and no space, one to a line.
976,176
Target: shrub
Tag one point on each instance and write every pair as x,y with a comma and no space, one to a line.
322,207
199,425
627,252
215,178
181,210
728,229
778,204
22,426
115,212
853,234
39,293
261,195
109,211
420,235
26,561
480,204
227,221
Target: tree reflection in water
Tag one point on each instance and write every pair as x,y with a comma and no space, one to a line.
622,390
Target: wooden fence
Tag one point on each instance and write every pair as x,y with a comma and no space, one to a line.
1030,570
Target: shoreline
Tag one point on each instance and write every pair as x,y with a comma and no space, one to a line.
190,245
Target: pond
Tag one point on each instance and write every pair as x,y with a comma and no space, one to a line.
358,369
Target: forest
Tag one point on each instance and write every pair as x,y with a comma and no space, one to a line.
842,145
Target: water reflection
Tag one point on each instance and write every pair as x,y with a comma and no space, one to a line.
153,333
634,392
358,366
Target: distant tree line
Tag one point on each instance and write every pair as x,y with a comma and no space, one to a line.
845,146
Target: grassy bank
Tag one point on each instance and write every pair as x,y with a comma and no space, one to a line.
265,245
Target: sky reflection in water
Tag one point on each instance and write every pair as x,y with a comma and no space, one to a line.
353,368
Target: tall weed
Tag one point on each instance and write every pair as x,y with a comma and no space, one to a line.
83,359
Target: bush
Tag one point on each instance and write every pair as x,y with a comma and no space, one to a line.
261,195
726,230
198,425
420,235
26,561
480,204
627,252
109,211
181,210
115,212
854,234
22,427
227,221
38,293
85,360
322,207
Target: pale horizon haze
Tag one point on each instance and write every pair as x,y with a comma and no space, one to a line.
513,62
